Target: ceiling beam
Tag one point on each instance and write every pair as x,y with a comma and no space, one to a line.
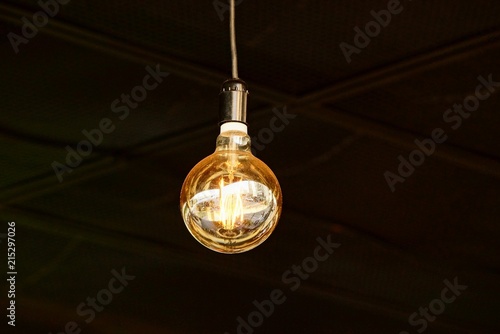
341,90
138,54
403,69
101,165
445,152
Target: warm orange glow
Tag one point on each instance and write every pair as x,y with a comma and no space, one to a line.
231,201
231,206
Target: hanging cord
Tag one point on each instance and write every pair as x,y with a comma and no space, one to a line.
232,33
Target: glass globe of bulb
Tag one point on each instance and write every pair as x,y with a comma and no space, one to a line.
231,201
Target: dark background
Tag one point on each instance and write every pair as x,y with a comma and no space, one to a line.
119,207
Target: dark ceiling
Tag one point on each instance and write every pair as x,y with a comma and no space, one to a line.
400,248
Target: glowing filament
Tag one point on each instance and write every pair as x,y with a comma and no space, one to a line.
230,205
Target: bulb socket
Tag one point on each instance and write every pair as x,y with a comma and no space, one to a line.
233,101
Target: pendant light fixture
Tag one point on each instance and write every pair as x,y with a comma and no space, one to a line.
231,201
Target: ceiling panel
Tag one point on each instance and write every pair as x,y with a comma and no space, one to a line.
341,126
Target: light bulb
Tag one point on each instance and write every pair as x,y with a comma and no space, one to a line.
231,201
